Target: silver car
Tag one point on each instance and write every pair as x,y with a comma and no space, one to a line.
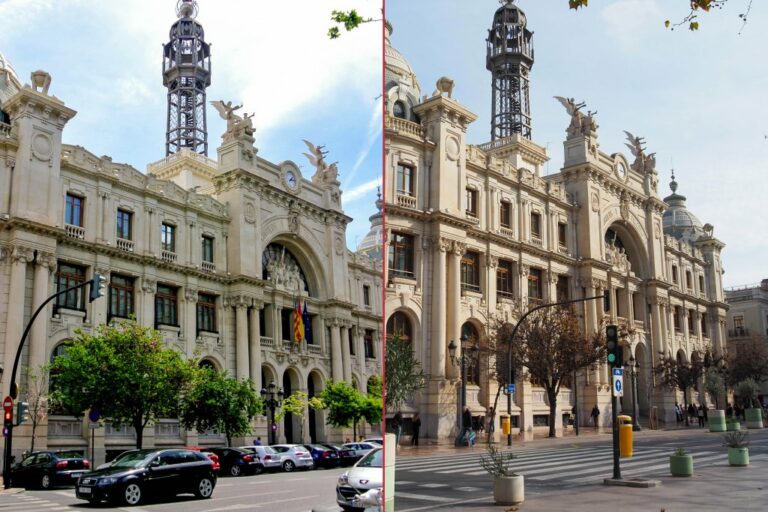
361,449
269,457
294,456
367,474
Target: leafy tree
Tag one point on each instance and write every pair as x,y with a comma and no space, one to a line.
346,406
748,360
350,20
297,404
747,391
403,374
676,374
551,345
38,397
714,384
125,372
217,401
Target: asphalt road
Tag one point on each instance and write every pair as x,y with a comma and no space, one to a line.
300,491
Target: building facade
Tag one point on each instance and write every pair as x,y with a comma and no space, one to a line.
747,318
214,253
474,229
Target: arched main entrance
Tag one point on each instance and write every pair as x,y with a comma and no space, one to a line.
316,418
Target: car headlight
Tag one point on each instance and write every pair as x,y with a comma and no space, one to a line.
107,481
344,478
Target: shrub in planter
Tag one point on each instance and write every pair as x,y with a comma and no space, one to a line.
732,425
508,487
681,463
737,443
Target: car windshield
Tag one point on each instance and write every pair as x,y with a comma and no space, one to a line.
132,459
374,459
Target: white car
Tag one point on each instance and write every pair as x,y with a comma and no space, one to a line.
361,449
375,440
269,457
294,456
367,474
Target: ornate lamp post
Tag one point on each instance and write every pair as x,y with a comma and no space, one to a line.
634,368
272,400
462,361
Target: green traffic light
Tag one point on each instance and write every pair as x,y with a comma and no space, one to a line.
611,358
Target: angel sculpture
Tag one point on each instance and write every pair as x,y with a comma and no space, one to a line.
635,144
643,163
573,109
317,158
227,112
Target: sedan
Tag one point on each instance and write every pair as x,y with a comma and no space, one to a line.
346,457
236,462
294,456
367,474
269,457
323,456
47,469
139,473
360,449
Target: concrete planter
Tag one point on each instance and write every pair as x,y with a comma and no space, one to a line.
717,420
754,418
509,490
732,425
681,465
738,456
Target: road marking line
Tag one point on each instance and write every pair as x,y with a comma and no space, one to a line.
423,497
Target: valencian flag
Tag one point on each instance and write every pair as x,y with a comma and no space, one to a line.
298,322
307,325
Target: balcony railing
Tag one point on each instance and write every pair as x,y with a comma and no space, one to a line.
470,287
168,256
505,231
395,272
406,201
504,296
738,332
208,266
535,240
75,231
125,245
5,130
404,126
267,341
314,349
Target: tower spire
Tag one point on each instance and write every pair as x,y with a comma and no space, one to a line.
510,59
186,74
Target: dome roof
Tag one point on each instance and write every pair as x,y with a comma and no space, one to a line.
371,244
677,220
396,67
510,13
9,80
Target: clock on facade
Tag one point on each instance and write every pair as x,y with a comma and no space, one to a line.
621,170
291,179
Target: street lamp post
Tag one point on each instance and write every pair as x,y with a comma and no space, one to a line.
272,401
634,368
462,361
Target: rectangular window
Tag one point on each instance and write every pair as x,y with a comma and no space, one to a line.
168,237
120,296
472,202
124,224
505,214
606,301
690,321
470,271
207,249
328,336
561,234
351,344
68,276
534,285
504,281
688,279
401,255
206,312
536,225
405,176
368,342
674,274
286,324
73,214
563,288
701,284
677,320
367,295
166,305
704,324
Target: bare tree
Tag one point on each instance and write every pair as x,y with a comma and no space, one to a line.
38,397
677,374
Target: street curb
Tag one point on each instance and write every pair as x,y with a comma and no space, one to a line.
635,482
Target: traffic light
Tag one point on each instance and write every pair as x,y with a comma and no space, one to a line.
98,286
22,413
612,346
7,421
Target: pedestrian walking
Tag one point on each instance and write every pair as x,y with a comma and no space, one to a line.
397,424
257,441
416,427
466,421
595,415
729,411
678,413
700,415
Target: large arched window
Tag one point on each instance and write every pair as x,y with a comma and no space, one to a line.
473,339
280,266
399,324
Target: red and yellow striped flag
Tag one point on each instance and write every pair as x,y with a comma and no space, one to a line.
298,322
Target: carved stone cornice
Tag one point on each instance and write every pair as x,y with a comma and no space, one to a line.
524,269
22,254
459,248
148,285
444,244
190,294
46,259
492,261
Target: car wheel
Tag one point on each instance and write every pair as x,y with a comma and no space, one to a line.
132,494
235,470
347,508
258,470
45,481
288,466
204,488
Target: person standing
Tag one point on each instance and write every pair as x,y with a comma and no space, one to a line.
257,441
397,424
700,414
595,415
416,428
466,422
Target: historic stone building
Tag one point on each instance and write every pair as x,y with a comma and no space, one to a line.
472,229
748,318
211,252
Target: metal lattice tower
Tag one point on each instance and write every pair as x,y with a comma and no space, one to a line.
510,59
186,74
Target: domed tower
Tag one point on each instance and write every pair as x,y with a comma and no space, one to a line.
510,59
186,74
678,221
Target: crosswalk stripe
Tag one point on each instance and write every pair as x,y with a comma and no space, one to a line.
652,468
418,461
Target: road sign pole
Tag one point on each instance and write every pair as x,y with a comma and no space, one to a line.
615,423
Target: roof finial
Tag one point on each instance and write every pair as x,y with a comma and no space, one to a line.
186,8
673,183
379,202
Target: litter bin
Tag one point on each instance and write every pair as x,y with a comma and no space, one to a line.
625,435
505,424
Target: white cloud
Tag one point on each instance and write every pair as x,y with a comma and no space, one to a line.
374,138
361,190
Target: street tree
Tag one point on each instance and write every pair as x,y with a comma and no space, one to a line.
297,404
403,374
214,400
748,360
678,374
747,391
714,384
38,397
550,346
346,406
125,372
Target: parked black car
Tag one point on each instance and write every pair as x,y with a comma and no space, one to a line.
236,462
346,457
139,473
47,469
323,456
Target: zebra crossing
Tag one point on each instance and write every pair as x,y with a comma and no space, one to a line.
23,502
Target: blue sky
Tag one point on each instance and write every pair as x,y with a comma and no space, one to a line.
272,56
697,98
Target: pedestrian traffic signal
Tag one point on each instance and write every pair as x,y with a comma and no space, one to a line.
22,413
98,286
7,421
612,346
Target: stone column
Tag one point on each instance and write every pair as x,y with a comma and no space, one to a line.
438,341
105,218
454,301
241,343
152,231
337,368
190,319
492,262
277,326
255,345
346,358
46,263
20,256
